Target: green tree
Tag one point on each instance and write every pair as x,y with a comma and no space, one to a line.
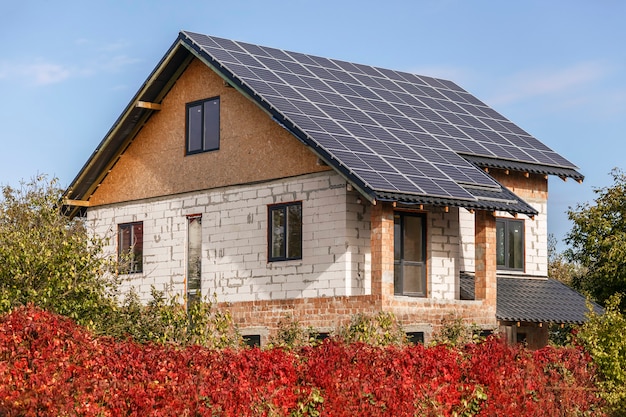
48,259
602,337
598,242
559,267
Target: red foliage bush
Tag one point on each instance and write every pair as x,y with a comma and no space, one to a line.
49,366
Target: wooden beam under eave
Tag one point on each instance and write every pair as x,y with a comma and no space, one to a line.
77,203
148,105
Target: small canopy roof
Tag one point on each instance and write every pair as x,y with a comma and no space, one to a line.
534,299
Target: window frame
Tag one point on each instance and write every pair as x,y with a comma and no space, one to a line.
399,263
130,251
507,222
213,134
284,255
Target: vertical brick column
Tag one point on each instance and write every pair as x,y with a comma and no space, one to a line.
485,263
382,250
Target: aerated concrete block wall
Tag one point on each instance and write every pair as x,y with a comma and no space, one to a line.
443,248
336,240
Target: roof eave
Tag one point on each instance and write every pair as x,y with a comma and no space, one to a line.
562,172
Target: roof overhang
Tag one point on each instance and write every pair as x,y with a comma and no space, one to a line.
488,199
563,173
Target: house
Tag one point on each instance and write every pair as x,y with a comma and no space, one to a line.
286,183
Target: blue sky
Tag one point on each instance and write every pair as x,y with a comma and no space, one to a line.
556,68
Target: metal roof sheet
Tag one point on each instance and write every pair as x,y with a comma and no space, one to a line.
534,299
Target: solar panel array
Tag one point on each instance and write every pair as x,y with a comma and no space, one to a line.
395,131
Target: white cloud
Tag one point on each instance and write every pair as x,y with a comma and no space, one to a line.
46,73
36,73
88,62
114,46
118,62
529,84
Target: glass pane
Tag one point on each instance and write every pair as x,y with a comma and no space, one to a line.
500,243
124,240
397,236
194,126
194,255
413,245
137,248
212,125
397,278
516,245
278,232
413,279
294,230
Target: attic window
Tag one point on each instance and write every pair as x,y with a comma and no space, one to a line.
203,126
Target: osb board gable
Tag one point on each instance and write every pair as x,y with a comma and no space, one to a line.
252,147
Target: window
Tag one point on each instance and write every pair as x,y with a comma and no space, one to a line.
194,258
319,336
409,254
130,247
203,126
252,340
285,232
415,337
510,244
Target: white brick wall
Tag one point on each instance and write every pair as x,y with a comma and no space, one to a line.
443,249
336,240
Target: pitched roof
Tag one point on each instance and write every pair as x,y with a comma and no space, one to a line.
534,299
540,300
392,134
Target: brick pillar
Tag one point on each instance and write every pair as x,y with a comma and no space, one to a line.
485,249
382,250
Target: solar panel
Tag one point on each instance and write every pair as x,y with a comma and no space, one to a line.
392,130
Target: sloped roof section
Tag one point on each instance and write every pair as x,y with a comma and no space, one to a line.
533,299
390,133
540,301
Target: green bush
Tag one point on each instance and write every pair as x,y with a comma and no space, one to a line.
455,332
382,329
167,320
292,335
602,336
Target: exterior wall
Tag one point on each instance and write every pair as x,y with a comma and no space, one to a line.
534,190
252,147
443,249
336,236
443,253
